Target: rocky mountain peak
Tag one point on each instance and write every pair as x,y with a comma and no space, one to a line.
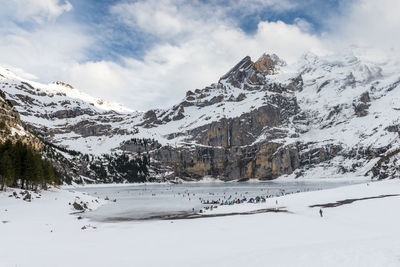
247,72
268,64
243,65
64,84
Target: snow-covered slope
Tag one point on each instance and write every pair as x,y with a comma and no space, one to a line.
322,116
67,116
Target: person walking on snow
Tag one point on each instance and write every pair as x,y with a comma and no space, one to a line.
320,212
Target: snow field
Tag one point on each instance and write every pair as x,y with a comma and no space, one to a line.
364,233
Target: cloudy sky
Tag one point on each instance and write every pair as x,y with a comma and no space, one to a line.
147,53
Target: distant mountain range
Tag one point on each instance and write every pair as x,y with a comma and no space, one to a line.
321,117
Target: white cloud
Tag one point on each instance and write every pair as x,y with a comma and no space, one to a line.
367,23
101,75
303,25
47,52
33,44
250,6
39,10
160,19
168,18
195,50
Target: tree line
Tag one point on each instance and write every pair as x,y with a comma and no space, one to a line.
123,167
21,166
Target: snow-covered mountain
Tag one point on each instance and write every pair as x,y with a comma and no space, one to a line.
320,117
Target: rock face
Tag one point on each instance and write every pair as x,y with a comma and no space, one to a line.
11,126
361,106
262,161
243,130
262,119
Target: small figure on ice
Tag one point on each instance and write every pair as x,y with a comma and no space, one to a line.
320,212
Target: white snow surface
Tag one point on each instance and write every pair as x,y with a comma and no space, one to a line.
364,233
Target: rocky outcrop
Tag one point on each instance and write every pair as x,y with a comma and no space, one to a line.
70,113
11,126
139,145
310,155
362,105
249,72
268,64
64,84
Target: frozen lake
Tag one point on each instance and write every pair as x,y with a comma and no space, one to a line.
156,201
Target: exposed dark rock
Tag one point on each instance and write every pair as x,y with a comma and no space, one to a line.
323,85
296,84
150,116
27,197
178,116
70,113
88,128
189,93
64,84
361,109
393,129
78,206
364,98
241,97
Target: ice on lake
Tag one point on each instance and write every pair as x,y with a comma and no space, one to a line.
142,202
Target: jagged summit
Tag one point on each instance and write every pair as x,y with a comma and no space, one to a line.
243,65
266,65
248,73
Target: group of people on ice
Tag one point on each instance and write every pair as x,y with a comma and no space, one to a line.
232,201
236,198
213,204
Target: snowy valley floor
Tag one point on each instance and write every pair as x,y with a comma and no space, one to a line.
362,233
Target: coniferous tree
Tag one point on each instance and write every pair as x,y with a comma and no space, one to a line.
21,166
6,170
